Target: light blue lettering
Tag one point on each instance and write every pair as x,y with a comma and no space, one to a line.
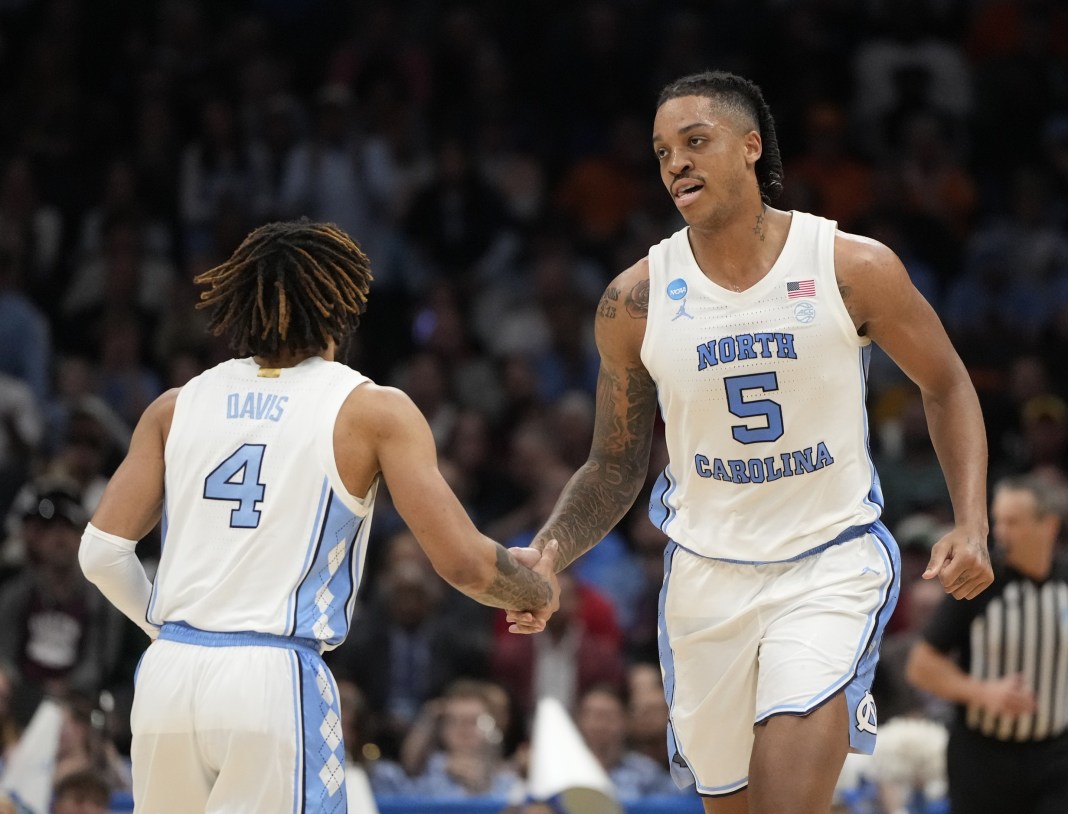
737,471
803,462
787,469
764,470
259,406
745,347
706,355
823,456
279,408
700,462
727,349
764,339
773,473
785,344
756,470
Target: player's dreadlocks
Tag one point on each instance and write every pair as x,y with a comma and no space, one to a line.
290,286
740,96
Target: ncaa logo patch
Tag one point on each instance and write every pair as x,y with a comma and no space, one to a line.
867,719
676,289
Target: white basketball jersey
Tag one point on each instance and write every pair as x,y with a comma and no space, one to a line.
763,398
259,533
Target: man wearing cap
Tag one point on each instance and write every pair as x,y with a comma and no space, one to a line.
58,633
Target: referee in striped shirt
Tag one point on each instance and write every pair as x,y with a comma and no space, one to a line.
1002,657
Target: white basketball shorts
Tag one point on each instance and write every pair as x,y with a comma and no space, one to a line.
241,723
741,642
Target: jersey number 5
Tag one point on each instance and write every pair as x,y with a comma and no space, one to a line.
238,479
770,410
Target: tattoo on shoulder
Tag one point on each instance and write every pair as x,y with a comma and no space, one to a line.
607,307
638,300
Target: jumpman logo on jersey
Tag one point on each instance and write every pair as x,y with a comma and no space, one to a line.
682,312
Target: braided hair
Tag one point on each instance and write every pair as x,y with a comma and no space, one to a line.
741,96
291,286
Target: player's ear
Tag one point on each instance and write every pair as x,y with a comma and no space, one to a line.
754,147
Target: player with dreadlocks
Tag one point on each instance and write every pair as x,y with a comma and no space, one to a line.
750,330
264,471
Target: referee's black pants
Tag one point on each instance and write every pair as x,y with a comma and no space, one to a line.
988,776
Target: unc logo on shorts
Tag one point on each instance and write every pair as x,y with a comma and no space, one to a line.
867,720
677,288
805,312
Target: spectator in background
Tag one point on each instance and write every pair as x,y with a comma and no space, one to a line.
324,175
85,746
602,719
909,472
127,383
21,431
34,225
121,196
82,792
456,217
216,172
648,543
88,445
647,712
468,761
59,633
366,770
562,663
25,334
124,280
840,181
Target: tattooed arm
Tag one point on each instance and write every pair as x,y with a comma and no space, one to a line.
379,429
605,487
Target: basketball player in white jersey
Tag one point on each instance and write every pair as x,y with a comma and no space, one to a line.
263,471
751,329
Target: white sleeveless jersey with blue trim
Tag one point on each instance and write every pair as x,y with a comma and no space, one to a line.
763,398
259,533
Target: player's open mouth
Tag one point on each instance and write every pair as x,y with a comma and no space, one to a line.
685,193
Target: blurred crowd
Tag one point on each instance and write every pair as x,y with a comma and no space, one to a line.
493,159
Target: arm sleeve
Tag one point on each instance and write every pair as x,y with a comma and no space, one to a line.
111,563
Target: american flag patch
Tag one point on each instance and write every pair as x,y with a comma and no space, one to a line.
801,288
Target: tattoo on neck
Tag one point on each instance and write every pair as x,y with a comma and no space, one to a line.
758,228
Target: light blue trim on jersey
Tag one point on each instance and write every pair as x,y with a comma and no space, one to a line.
312,539
322,598
661,512
187,634
875,494
857,681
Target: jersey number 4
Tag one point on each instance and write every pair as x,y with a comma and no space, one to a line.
770,410
237,479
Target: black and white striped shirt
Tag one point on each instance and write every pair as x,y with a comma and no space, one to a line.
1017,625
